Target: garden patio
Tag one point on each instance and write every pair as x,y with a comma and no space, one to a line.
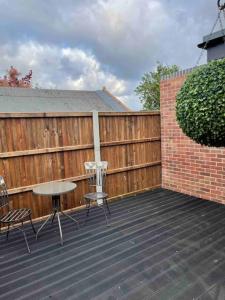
160,245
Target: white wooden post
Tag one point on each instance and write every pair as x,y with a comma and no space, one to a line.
97,149
96,137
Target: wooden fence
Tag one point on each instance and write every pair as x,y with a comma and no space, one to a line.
42,147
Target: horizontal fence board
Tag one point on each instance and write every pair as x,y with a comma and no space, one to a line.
46,147
130,113
73,148
45,150
5,115
134,141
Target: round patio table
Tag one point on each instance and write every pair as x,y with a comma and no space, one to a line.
55,189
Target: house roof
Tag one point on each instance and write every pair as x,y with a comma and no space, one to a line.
45,100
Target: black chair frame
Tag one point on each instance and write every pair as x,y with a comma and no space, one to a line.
13,218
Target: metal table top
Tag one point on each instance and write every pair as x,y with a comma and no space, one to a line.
54,188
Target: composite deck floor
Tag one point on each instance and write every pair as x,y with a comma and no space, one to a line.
160,245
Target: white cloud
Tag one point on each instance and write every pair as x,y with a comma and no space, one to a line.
122,34
92,76
62,68
127,36
87,44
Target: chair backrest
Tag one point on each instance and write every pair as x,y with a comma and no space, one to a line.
96,172
4,197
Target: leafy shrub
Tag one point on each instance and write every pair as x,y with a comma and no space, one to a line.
200,106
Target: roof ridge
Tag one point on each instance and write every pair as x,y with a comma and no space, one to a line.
104,89
45,90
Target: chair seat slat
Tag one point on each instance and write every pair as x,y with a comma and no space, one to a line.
8,215
16,215
22,214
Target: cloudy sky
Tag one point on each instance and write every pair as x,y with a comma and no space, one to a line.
87,44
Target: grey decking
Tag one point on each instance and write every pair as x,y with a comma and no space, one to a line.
161,245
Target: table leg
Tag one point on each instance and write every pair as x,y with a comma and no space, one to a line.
53,216
60,229
106,219
71,218
45,222
56,202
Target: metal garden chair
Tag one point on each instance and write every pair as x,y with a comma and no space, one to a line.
96,172
13,216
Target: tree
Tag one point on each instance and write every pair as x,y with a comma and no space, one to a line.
12,79
149,88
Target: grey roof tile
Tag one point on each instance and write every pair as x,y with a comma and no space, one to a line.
43,100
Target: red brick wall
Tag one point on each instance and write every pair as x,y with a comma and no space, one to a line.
186,166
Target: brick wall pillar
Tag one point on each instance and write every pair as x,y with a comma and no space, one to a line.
188,167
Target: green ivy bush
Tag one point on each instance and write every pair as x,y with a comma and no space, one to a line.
200,104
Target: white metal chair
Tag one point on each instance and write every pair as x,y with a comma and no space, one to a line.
96,172
13,216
